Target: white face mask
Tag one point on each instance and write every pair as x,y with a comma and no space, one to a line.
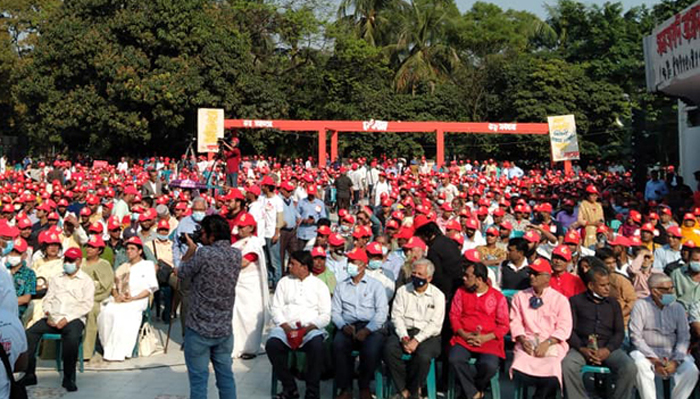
14,260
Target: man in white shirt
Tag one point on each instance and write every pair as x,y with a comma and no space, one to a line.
417,315
372,180
301,310
381,187
273,219
67,302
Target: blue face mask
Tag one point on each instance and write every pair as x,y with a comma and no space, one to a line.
8,248
353,270
667,299
134,216
70,268
694,266
374,264
198,216
162,237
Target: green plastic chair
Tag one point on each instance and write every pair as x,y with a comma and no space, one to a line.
509,293
59,357
495,384
431,380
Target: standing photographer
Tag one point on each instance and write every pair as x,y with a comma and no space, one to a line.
213,271
188,224
233,161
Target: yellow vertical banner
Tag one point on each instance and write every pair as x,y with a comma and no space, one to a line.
210,128
563,138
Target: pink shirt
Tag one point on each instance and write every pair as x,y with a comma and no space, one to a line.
552,319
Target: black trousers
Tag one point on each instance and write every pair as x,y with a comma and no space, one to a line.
370,355
277,352
288,244
71,335
410,375
545,387
472,379
344,203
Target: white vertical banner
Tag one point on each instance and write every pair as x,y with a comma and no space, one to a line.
210,128
562,136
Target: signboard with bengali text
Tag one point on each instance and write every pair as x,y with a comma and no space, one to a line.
210,128
562,136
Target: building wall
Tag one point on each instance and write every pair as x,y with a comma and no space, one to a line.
688,143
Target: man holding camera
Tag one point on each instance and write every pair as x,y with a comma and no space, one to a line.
188,225
212,270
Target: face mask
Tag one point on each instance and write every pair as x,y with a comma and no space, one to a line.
70,268
13,261
694,266
8,248
344,228
353,270
418,282
198,216
374,264
667,299
162,237
385,251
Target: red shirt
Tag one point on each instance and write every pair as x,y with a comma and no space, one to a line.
488,313
567,284
233,160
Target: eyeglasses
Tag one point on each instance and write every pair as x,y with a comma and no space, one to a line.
664,289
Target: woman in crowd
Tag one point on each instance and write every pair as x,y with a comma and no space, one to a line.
102,274
250,312
47,264
590,215
120,318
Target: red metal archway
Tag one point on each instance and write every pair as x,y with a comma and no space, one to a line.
376,126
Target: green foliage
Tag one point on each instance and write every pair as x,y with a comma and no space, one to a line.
110,77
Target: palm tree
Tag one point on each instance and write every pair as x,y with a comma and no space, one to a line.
421,53
370,17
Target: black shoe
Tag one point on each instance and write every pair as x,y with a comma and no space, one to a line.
287,395
248,356
28,380
70,386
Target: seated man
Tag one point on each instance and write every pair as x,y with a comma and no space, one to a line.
417,315
540,323
479,319
566,283
301,310
359,311
620,286
514,271
597,337
318,254
67,302
374,268
660,335
23,277
686,280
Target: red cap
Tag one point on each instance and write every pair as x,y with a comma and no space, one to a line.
73,253
392,224
541,265
323,230
267,181
52,216
674,231
113,223
666,211
246,219
96,241
415,242
453,225
602,229
420,220
362,231
311,189
635,241
636,216
404,232
50,238
254,189
563,251
135,240
472,255
287,186
532,236
620,240
492,230
689,216
95,227
572,237
44,207
648,227
653,216
318,252
689,244
336,240
163,225
24,223
375,248
19,245
358,254
472,224
546,207
130,190
506,225
591,189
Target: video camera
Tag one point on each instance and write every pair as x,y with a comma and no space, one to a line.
195,236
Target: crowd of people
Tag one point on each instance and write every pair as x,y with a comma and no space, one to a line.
400,262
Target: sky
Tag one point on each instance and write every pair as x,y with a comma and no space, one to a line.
537,6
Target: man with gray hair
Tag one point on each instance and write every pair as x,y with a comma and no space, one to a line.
417,315
660,334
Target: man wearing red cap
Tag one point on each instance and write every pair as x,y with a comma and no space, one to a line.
359,312
318,254
69,299
566,283
540,323
375,254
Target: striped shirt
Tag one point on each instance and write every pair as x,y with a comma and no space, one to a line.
659,332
